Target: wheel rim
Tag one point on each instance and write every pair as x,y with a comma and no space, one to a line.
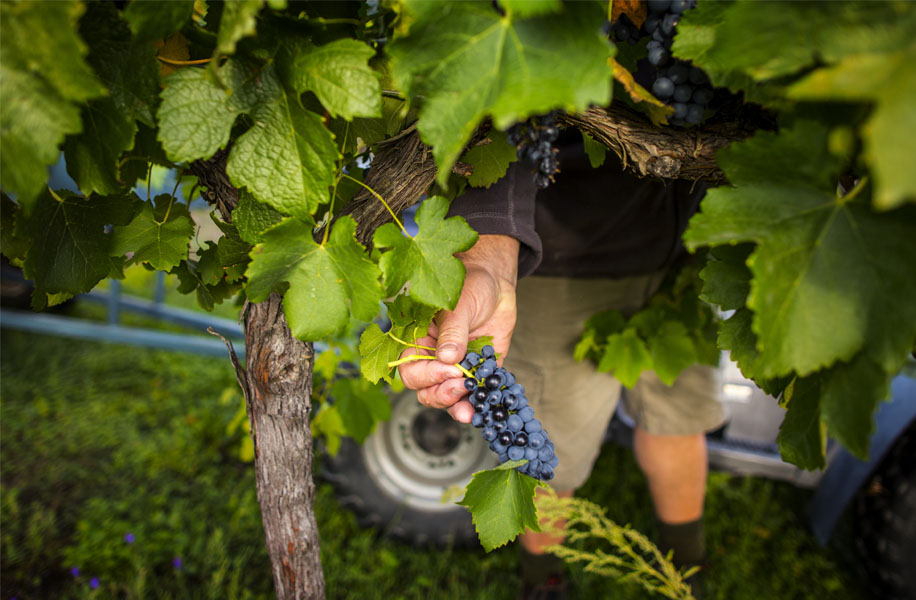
420,452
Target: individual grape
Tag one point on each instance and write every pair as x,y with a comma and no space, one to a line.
484,371
510,401
702,96
470,384
663,88
488,433
499,426
500,414
680,110
521,439
477,420
473,358
694,114
521,402
530,453
498,447
494,381
515,453
480,394
658,57
526,414
678,73
683,93
488,351
505,438
544,454
546,472
480,407
514,423
536,440
494,397
510,379
533,426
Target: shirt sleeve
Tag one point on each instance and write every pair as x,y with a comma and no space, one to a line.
506,207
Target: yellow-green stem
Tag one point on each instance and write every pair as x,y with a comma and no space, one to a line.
327,228
382,200
412,345
409,359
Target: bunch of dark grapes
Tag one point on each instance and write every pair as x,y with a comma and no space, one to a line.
533,140
678,84
501,410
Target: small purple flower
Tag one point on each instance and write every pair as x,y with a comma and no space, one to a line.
94,583
75,571
129,538
176,562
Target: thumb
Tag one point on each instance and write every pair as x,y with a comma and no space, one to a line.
452,342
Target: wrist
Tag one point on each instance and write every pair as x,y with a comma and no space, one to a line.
496,255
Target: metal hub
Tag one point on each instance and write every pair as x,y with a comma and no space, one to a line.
421,452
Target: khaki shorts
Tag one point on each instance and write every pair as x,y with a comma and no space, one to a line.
575,402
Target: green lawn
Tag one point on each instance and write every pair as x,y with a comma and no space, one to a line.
101,441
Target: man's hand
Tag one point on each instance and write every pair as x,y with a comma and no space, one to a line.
486,307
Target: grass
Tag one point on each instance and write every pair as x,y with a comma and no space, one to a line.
101,441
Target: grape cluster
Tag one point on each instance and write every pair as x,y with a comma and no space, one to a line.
534,140
683,87
501,410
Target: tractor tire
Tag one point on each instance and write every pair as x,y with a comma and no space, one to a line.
396,480
886,522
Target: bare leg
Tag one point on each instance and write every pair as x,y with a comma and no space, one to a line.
535,542
675,467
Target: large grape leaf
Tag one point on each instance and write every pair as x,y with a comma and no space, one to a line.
426,260
158,235
467,61
70,249
327,283
828,275
43,74
490,161
151,19
128,68
724,37
338,73
672,350
501,502
92,155
361,405
197,111
287,159
889,80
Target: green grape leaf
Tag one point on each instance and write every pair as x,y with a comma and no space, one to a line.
737,336
828,279
467,62
238,20
152,19
376,350
43,74
849,395
426,260
338,73
627,356
92,155
327,424
596,151
197,112
672,350
501,502
888,80
490,161
326,283
802,436
70,249
715,35
287,159
252,218
361,406
128,68
159,235
530,8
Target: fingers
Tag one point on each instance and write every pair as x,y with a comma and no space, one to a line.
453,330
442,395
461,411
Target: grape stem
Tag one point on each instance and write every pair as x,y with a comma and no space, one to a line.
327,228
172,61
382,200
412,345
